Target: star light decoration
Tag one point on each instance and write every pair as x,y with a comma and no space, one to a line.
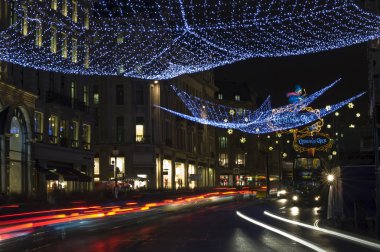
263,120
163,39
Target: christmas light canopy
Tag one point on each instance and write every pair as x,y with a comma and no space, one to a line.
263,120
162,39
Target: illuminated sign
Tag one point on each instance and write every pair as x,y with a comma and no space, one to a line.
316,141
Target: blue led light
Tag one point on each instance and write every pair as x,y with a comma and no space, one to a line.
165,38
263,120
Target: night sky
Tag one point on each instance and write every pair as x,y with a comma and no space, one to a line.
277,76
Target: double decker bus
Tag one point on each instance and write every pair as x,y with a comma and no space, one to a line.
307,180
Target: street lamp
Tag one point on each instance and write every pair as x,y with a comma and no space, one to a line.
330,178
115,154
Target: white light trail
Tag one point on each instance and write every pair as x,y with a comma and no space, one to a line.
280,232
334,233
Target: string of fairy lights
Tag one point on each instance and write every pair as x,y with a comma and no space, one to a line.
166,38
263,120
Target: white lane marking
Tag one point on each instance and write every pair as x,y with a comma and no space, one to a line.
280,232
344,236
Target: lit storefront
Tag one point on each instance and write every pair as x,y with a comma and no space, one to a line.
167,173
192,176
226,180
179,175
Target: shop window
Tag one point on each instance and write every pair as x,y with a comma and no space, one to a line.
167,173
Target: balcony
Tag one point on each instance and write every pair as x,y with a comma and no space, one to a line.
52,97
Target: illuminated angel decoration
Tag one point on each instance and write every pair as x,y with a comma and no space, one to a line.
163,39
263,120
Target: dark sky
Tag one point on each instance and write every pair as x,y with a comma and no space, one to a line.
277,76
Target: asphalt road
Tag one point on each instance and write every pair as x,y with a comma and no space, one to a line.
194,227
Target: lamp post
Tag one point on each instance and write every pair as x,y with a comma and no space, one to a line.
115,154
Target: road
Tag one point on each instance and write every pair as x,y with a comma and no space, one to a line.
199,226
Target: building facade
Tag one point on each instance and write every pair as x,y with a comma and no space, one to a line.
145,147
46,120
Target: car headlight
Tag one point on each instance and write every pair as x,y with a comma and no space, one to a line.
317,198
295,197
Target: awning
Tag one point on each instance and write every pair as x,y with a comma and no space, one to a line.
81,176
48,174
66,174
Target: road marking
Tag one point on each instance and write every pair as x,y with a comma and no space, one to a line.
280,232
334,233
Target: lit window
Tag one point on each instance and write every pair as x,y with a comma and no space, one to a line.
75,134
96,94
86,19
223,159
63,132
25,22
220,96
38,125
223,142
86,137
53,129
54,4
74,16
64,45
73,93
74,55
64,8
139,133
38,34
53,40
86,56
96,166
237,97
120,39
85,94
240,159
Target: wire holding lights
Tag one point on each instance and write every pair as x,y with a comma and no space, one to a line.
165,38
